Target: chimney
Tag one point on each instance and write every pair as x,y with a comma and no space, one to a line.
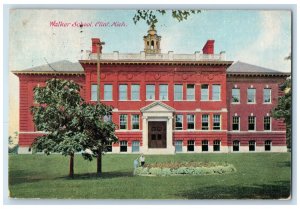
95,42
209,47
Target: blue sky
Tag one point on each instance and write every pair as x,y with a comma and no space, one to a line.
258,37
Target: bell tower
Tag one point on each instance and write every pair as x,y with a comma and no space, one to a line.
152,42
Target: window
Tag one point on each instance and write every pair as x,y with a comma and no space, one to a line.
251,95
123,92
267,123
178,92
163,92
135,92
204,146
93,92
216,122
204,92
251,123
235,96
267,95
123,121
205,124
216,94
108,147
135,146
217,144
178,122
268,145
123,146
150,92
191,146
236,146
190,121
108,92
190,92
178,146
252,145
135,123
235,123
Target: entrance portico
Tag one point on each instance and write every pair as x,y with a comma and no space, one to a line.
158,129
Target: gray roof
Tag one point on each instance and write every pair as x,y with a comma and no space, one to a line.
241,67
60,66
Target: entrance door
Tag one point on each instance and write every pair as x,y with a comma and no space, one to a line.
157,134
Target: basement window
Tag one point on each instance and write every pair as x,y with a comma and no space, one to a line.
191,146
268,145
204,146
123,146
252,145
217,144
236,146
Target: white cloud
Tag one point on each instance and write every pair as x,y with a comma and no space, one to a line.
272,43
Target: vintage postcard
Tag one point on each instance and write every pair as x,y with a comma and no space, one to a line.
150,104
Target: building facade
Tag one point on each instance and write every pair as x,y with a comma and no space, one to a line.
171,103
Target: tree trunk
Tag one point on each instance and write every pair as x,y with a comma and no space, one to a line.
71,171
99,163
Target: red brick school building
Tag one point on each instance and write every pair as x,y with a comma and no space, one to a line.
171,103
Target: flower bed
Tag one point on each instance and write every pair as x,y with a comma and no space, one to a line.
184,168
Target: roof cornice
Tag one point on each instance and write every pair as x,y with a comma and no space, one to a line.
262,74
48,73
141,62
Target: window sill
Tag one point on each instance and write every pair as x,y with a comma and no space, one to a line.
107,100
267,102
251,102
123,100
235,103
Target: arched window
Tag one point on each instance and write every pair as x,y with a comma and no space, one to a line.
152,44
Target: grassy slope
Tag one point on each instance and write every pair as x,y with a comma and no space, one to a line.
259,175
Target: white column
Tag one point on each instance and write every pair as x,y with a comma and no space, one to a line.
144,148
170,146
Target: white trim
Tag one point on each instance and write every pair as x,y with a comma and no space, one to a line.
267,132
199,130
123,130
33,132
178,111
157,103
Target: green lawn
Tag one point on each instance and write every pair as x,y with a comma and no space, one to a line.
258,176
